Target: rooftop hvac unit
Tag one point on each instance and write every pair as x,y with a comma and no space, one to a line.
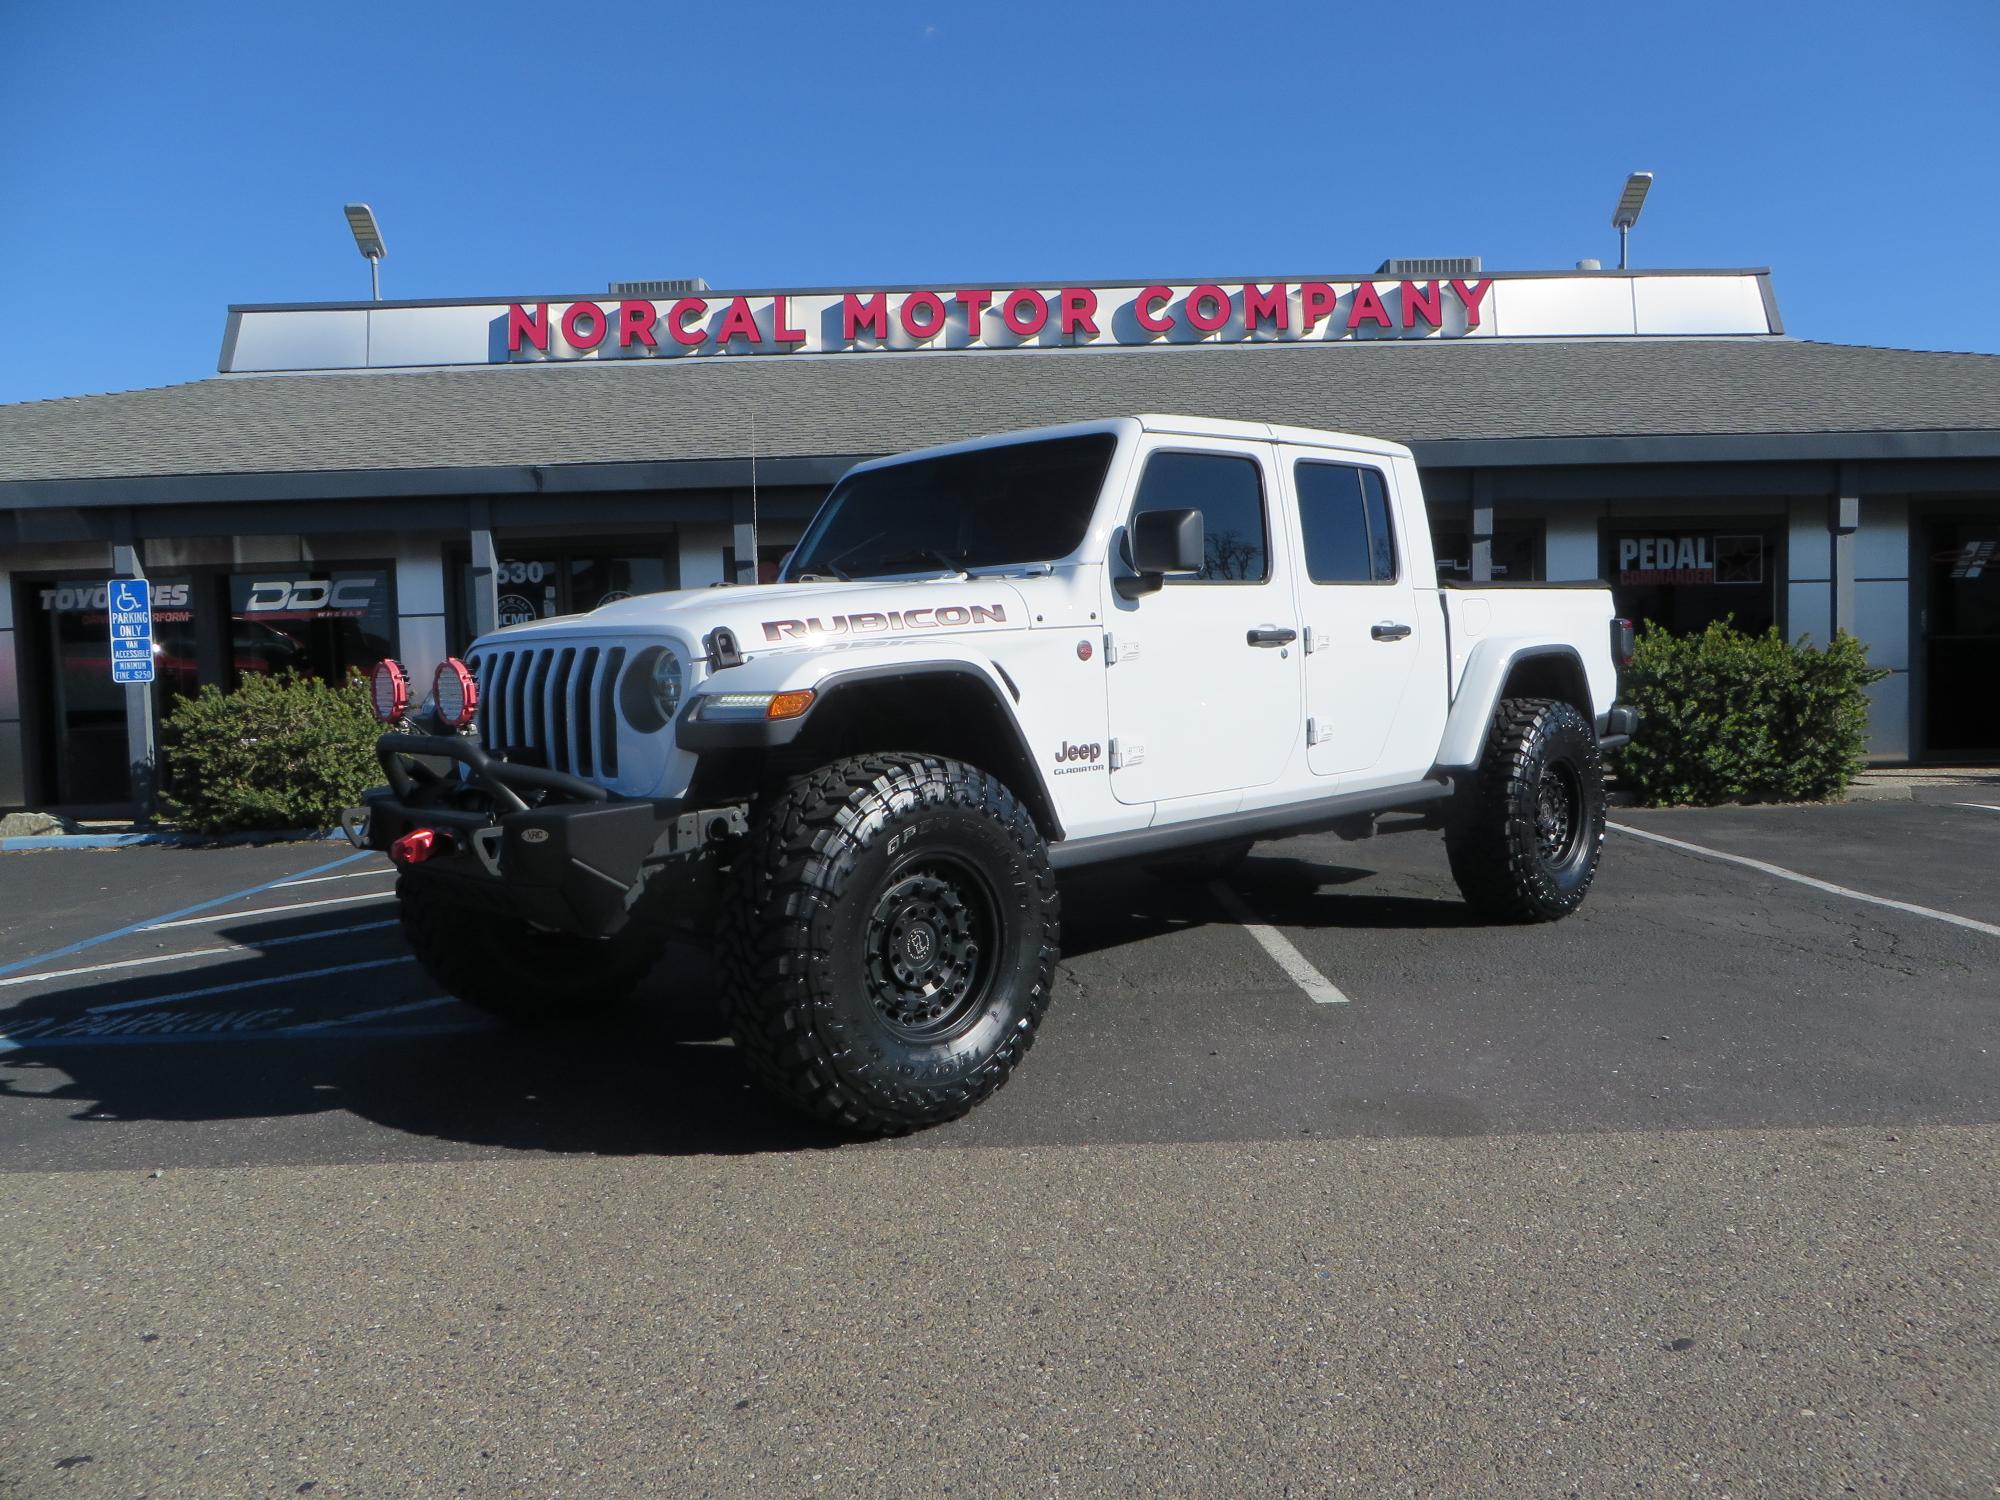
687,286
1430,270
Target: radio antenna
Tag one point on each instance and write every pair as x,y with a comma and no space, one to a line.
753,494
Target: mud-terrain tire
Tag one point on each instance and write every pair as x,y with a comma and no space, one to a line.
1525,836
889,941
516,971
1210,862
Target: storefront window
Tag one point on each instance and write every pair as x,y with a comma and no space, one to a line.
594,581
319,623
1684,577
86,760
1517,555
541,583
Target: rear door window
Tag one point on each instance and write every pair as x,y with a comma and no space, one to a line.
1344,518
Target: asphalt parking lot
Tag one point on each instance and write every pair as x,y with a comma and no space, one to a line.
1312,1185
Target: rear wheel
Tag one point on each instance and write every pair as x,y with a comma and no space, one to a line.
520,972
1525,836
890,944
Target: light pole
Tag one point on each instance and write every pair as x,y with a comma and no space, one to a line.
1626,214
368,240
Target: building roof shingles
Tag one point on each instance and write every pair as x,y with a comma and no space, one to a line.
654,410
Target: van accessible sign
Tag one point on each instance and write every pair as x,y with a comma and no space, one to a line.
959,317
131,601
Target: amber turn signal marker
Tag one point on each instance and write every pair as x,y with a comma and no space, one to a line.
789,705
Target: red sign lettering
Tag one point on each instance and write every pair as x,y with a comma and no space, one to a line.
872,314
931,321
635,321
1143,309
1217,313
1079,310
1273,307
573,331
1368,305
532,327
1429,306
1025,323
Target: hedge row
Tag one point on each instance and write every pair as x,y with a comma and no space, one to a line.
1725,714
279,752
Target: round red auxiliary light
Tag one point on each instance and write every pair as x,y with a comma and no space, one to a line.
390,689
457,692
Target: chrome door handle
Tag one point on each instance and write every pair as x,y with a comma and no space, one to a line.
1389,630
1272,635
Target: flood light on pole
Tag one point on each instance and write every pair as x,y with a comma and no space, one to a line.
1626,214
368,240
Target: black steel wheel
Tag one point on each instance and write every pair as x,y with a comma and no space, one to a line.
1528,825
928,942
889,943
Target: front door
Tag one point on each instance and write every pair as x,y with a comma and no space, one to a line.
1357,600
1204,681
1961,637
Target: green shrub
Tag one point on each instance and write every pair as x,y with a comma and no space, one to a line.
1728,715
279,752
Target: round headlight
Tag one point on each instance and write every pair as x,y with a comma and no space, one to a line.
456,692
653,687
389,687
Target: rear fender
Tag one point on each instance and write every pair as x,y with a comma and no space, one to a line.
1494,664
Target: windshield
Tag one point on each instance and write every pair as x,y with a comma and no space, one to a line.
1017,503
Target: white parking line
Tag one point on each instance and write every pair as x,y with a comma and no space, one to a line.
1982,806
1319,989
1819,885
249,984
375,1015
266,911
285,885
167,958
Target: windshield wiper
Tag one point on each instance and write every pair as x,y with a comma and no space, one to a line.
920,554
811,573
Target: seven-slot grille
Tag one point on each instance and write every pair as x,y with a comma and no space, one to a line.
554,705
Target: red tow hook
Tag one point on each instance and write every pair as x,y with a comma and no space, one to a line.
414,847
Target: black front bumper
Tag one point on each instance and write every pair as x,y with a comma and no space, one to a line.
538,845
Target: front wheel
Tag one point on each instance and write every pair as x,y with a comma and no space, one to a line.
1525,836
890,944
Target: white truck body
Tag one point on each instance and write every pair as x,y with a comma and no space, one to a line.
1148,712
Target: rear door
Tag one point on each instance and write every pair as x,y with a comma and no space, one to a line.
1357,600
1204,679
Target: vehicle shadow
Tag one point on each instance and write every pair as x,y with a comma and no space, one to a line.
1112,908
656,1075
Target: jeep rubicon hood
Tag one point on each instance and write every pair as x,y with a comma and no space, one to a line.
774,617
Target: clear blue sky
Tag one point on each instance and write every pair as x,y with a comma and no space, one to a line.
159,161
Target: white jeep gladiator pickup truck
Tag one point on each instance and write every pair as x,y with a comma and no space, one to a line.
1150,638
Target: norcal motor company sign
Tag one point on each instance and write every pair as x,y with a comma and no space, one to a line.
994,317
958,317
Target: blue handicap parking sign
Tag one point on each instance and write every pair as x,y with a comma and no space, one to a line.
131,601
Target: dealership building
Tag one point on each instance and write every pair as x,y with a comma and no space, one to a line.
370,479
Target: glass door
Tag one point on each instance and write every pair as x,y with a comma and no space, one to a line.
85,755
1962,637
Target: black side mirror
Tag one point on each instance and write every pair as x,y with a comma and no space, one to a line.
1159,542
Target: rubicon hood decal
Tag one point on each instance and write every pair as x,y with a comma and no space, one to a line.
883,622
